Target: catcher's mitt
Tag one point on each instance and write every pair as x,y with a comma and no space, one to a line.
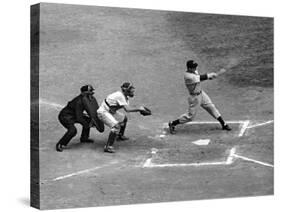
146,112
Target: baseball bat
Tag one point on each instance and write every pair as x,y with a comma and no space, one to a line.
221,71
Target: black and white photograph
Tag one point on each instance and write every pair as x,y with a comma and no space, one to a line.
135,106
140,105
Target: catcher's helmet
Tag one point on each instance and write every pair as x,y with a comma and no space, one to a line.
128,89
87,89
191,64
126,86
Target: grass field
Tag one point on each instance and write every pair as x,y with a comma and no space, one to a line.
107,46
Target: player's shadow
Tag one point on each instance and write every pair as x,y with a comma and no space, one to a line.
76,145
187,129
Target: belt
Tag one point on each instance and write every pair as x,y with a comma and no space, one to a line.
106,103
196,94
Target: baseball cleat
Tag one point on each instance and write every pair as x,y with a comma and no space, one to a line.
59,147
172,128
87,140
122,138
109,149
226,127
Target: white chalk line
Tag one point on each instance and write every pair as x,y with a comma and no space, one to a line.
149,164
243,128
260,124
252,160
82,172
53,104
230,159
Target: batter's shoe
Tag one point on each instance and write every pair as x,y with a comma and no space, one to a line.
87,140
59,147
172,128
122,138
226,127
109,149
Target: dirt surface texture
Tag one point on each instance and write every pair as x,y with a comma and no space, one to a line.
108,46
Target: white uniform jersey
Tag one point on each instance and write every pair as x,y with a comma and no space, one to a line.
114,102
192,82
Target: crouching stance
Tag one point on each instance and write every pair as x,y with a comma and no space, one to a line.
73,113
115,120
197,97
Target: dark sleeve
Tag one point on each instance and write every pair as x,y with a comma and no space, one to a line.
79,108
203,77
90,106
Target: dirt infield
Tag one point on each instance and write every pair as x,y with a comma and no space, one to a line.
107,46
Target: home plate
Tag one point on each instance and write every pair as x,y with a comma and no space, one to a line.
202,142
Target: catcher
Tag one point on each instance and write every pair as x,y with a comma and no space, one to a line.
108,113
197,97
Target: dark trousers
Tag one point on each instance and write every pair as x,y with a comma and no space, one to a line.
68,122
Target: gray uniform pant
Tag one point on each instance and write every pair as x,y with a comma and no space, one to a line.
194,102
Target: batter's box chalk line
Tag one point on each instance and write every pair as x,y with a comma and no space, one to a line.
243,126
232,155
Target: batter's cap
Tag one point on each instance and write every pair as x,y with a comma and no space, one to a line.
87,88
191,64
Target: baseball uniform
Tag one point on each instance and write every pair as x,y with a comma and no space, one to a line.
108,110
196,98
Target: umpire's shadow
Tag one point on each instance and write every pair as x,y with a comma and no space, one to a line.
77,145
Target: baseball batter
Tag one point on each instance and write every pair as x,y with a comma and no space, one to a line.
197,98
108,113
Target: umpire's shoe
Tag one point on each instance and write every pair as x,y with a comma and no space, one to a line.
172,128
59,147
226,127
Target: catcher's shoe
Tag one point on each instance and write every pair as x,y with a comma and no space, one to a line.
172,128
59,147
87,140
122,138
226,127
109,149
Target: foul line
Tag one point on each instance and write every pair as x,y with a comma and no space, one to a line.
252,160
42,101
261,124
82,172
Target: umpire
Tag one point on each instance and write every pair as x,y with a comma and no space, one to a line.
83,110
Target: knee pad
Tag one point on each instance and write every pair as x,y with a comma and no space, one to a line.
124,122
116,128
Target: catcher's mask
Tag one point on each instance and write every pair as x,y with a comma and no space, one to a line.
128,89
87,89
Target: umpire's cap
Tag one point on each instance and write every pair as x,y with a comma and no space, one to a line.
87,89
191,64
